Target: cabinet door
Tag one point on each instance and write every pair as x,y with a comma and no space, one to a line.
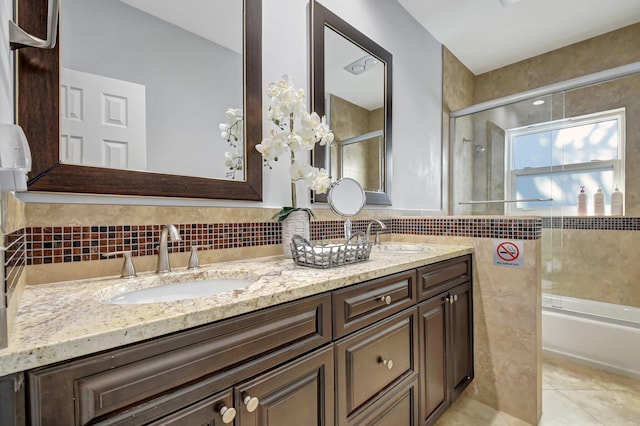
461,333
215,410
433,341
299,393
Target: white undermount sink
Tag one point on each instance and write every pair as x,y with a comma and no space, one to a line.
401,248
178,291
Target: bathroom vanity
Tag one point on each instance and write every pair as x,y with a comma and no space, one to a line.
393,349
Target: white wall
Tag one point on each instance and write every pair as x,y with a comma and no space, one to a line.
417,99
6,64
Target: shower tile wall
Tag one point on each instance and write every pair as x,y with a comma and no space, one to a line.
592,264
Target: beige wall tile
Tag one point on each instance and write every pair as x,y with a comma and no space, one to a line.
592,264
507,328
609,50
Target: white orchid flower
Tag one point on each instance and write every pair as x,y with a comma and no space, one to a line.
324,133
234,114
287,110
294,141
270,149
300,171
319,181
310,121
233,160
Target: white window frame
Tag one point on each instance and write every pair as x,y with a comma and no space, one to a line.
617,165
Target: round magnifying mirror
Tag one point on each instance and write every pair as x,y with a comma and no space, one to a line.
346,197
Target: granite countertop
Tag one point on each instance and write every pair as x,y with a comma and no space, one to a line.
60,321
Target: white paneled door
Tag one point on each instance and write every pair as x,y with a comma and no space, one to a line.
103,121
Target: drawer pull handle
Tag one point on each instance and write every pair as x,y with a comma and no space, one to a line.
251,402
385,299
228,414
388,363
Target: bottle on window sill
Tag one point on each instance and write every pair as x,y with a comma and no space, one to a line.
598,202
582,202
617,203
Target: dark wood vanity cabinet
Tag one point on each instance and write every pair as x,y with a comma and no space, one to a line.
190,374
393,351
446,335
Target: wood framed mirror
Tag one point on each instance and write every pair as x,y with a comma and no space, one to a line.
38,112
351,84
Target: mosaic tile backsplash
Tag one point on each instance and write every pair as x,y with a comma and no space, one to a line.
45,245
586,222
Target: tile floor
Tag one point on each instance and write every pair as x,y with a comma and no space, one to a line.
572,395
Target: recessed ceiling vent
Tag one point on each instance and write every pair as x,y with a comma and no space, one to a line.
361,65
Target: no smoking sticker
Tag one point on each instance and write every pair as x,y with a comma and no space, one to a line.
508,253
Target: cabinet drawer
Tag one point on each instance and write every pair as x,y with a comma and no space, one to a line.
358,306
400,408
370,362
109,383
441,276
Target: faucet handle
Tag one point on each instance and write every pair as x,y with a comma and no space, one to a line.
194,261
382,227
128,269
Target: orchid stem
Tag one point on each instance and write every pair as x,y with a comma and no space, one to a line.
294,199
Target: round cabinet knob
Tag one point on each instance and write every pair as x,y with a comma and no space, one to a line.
455,298
385,299
388,363
228,414
251,402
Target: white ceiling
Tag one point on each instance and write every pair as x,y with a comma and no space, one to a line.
486,35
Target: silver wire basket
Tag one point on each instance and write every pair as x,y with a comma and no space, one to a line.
329,255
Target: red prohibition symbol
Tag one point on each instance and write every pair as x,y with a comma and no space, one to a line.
507,251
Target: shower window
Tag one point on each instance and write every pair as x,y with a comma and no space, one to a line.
554,159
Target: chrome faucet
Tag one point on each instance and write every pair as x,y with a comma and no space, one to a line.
168,232
368,235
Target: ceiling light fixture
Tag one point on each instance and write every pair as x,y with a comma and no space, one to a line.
538,102
361,65
506,3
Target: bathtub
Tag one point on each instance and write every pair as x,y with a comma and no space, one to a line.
599,334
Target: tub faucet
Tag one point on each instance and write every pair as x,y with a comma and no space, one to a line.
368,235
168,232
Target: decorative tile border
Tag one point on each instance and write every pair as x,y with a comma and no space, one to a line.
15,259
80,243
45,245
500,227
593,223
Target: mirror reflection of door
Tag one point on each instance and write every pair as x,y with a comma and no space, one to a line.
102,121
354,90
187,56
